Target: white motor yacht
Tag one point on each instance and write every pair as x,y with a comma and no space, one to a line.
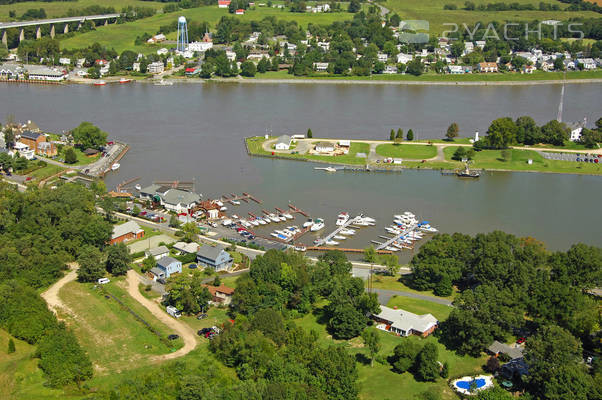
308,223
318,224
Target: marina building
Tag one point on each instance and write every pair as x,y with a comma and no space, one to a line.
172,199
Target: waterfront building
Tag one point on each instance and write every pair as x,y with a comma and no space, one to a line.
215,257
43,73
126,232
283,143
171,199
156,67
320,66
405,323
325,147
487,67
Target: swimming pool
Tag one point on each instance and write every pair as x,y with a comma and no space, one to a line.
466,384
462,385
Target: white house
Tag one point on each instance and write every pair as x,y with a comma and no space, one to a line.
157,38
576,129
162,51
200,46
455,69
390,69
231,55
382,57
403,58
324,45
587,63
320,66
283,143
64,61
325,147
43,73
156,67
157,252
24,151
223,3
405,323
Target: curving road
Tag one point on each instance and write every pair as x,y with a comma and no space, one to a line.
51,295
185,332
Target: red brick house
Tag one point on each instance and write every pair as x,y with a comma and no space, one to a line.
126,232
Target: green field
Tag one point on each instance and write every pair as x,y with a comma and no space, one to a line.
113,338
433,12
412,151
492,160
59,8
418,306
389,282
255,147
122,37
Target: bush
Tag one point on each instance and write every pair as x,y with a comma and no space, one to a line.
11,346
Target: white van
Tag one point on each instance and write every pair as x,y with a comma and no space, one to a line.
171,310
102,281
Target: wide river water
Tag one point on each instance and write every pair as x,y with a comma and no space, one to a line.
196,132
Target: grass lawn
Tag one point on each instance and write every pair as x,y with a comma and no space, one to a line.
113,338
122,37
217,316
45,172
396,283
412,151
434,77
492,159
255,147
82,159
59,8
433,12
418,306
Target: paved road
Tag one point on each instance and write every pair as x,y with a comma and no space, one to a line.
185,332
385,295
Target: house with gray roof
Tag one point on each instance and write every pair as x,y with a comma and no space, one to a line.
405,323
166,266
172,199
186,248
215,257
128,231
497,348
157,252
283,143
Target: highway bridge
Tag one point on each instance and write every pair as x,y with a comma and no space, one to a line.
103,18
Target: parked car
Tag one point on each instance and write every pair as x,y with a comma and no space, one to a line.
202,316
173,337
174,312
103,281
521,340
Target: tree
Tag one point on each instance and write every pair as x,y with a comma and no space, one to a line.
410,135
346,322
310,134
427,367
501,133
216,281
444,370
148,263
459,154
70,156
354,6
372,342
494,393
11,346
174,222
528,132
506,155
248,69
191,230
399,134
452,131
118,259
263,65
392,264
404,355
555,133
493,364
392,135
89,136
90,265
415,67
444,287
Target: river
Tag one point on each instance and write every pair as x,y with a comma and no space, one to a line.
195,132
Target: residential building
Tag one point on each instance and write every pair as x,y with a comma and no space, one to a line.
23,150
65,61
405,323
205,44
403,58
47,149
215,257
43,73
231,55
240,11
221,295
186,248
455,69
157,252
136,67
324,45
32,139
320,66
283,143
480,44
468,47
496,348
126,232
382,57
586,63
157,38
390,69
223,3
528,69
11,71
155,67
166,267
325,147
576,128
487,67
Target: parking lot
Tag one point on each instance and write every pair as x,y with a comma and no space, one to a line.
577,157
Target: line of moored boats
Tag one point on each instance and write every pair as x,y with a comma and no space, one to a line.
407,229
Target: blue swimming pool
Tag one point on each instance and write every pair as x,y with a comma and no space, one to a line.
466,384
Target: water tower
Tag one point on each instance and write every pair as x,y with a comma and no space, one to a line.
182,34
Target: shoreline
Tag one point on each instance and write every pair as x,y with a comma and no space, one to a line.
312,81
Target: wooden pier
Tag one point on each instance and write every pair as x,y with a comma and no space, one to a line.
126,183
337,231
231,198
395,238
298,210
321,248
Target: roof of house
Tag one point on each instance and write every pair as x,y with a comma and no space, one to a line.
221,289
210,252
90,152
186,247
179,196
155,251
166,261
513,352
406,320
31,135
123,229
156,271
325,144
284,139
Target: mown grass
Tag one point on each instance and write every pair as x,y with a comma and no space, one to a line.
418,306
114,339
433,12
412,151
122,37
493,160
45,172
396,283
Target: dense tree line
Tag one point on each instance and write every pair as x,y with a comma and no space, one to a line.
501,6
511,285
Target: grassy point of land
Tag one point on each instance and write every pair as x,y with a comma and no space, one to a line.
418,152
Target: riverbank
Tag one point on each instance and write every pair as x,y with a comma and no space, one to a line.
383,156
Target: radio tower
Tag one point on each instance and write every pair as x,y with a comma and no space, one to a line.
182,34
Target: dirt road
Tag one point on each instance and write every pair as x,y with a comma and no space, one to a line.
51,295
185,332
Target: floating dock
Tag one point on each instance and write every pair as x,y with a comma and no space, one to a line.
395,238
337,231
231,198
298,210
322,248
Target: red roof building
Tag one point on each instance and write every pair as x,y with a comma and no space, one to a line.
240,11
223,3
